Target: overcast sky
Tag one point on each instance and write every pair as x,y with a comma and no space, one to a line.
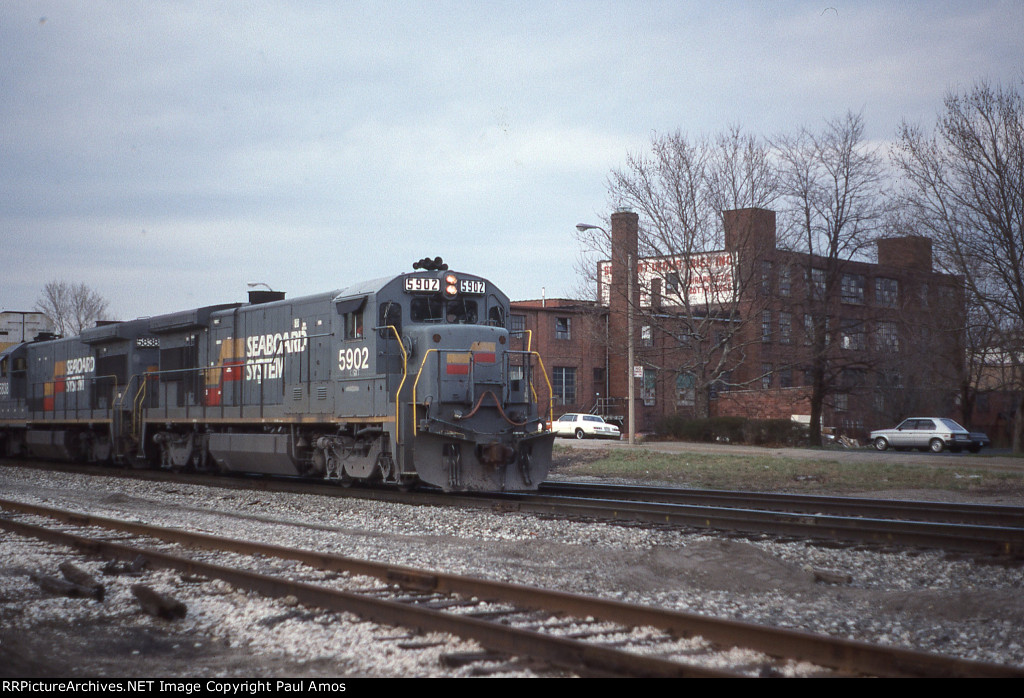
170,153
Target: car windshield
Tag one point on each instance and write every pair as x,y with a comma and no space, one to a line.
950,424
591,418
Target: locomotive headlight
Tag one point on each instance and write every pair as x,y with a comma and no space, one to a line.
451,285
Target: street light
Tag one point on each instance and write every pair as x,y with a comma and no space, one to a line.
630,349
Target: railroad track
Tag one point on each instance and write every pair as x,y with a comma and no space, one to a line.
939,512
584,635
987,530
984,530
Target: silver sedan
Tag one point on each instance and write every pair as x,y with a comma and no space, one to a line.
926,433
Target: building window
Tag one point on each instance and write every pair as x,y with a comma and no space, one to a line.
721,384
564,384
887,337
842,402
517,323
946,296
562,325
766,277
886,292
810,330
766,326
890,379
853,378
766,376
686,389
648,390
816,284
646,338
672,284
785,328
786,378
851,335
785,282
852,289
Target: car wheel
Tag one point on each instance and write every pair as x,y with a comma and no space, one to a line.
936,445
881,444
975,449
579,434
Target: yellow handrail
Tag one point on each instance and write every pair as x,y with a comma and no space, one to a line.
415,429
551,392
140,397
398,393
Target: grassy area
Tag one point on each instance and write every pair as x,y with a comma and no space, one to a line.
774,473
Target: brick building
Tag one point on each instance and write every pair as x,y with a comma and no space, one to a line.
732,331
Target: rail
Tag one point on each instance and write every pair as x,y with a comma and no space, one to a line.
783,645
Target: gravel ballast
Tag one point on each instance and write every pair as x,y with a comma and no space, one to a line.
917,600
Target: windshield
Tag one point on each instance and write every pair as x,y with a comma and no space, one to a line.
434,309
950,424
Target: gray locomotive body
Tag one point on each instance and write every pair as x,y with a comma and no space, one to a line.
401,380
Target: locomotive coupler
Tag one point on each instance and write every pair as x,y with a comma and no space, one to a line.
495,454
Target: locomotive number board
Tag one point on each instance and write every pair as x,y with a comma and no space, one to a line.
472,286
417,284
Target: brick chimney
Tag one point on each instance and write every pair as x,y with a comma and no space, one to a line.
910,252
750,229
625,231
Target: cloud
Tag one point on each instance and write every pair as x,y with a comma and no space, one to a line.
173,152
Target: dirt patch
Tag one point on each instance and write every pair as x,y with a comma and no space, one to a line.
563,460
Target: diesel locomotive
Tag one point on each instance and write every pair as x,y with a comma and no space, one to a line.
400,380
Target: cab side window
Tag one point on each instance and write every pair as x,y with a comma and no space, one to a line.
390,314
354,325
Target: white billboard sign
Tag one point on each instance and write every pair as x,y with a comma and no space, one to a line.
708,278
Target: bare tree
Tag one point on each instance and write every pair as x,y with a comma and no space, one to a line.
965,185
689,289
835,203
71,307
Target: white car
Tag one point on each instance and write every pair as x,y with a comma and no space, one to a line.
932,433
582,426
